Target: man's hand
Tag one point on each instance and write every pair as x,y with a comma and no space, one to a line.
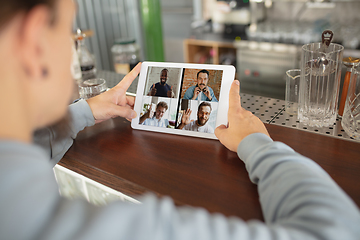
197,90
153,90
170,92
185,119
114,103
207,92
146,115
241,122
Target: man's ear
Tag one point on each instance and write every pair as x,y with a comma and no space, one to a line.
32,40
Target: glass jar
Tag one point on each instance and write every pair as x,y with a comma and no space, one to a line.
125,54
87,62
86,59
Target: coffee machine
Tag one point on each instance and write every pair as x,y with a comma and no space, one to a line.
236,15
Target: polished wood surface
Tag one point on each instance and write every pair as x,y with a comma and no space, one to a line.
194,171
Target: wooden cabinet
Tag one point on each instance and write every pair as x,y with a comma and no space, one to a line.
211,52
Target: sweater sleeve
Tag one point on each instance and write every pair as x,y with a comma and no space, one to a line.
299,201
56,140
296,194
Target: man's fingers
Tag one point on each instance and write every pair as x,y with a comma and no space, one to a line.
219,131
188,112
129,78
125,112
130,101
234,97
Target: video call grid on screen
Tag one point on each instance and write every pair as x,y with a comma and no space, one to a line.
180,100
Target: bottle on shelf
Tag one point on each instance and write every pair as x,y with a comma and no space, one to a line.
86,59
350,63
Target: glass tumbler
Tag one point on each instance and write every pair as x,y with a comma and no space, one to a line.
319,84
351,116
92,87
292,91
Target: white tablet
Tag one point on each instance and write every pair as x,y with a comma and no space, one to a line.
182,98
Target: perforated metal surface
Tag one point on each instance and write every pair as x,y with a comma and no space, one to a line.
264,108
269,110
272,111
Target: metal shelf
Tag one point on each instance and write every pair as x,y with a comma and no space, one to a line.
272,111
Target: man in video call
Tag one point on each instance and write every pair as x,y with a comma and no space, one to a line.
162,89
201,89
157,119
199,125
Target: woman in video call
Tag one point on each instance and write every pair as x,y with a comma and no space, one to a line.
299,200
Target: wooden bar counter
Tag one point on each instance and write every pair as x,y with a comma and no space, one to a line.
194,171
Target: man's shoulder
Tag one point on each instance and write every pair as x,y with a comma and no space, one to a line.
150,119
209,128
191,125
190,88
146,122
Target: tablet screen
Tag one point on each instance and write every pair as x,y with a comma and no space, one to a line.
180,99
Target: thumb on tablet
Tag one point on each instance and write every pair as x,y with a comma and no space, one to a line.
241,122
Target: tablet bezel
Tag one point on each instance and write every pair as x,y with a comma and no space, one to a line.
223,101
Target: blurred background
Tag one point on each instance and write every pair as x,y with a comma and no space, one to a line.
261,38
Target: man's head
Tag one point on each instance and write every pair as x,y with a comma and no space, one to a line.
203,114
161,108
32,32
164,76
202,78
10,8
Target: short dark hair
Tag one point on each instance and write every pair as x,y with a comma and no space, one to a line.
11,7
162,104
204,104
202,71
165,70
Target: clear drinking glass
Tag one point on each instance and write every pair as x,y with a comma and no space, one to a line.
292,91
92,87
319,84
351,116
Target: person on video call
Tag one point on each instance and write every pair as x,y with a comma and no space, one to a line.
201,89
299,199
157,119
199,125
162,89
